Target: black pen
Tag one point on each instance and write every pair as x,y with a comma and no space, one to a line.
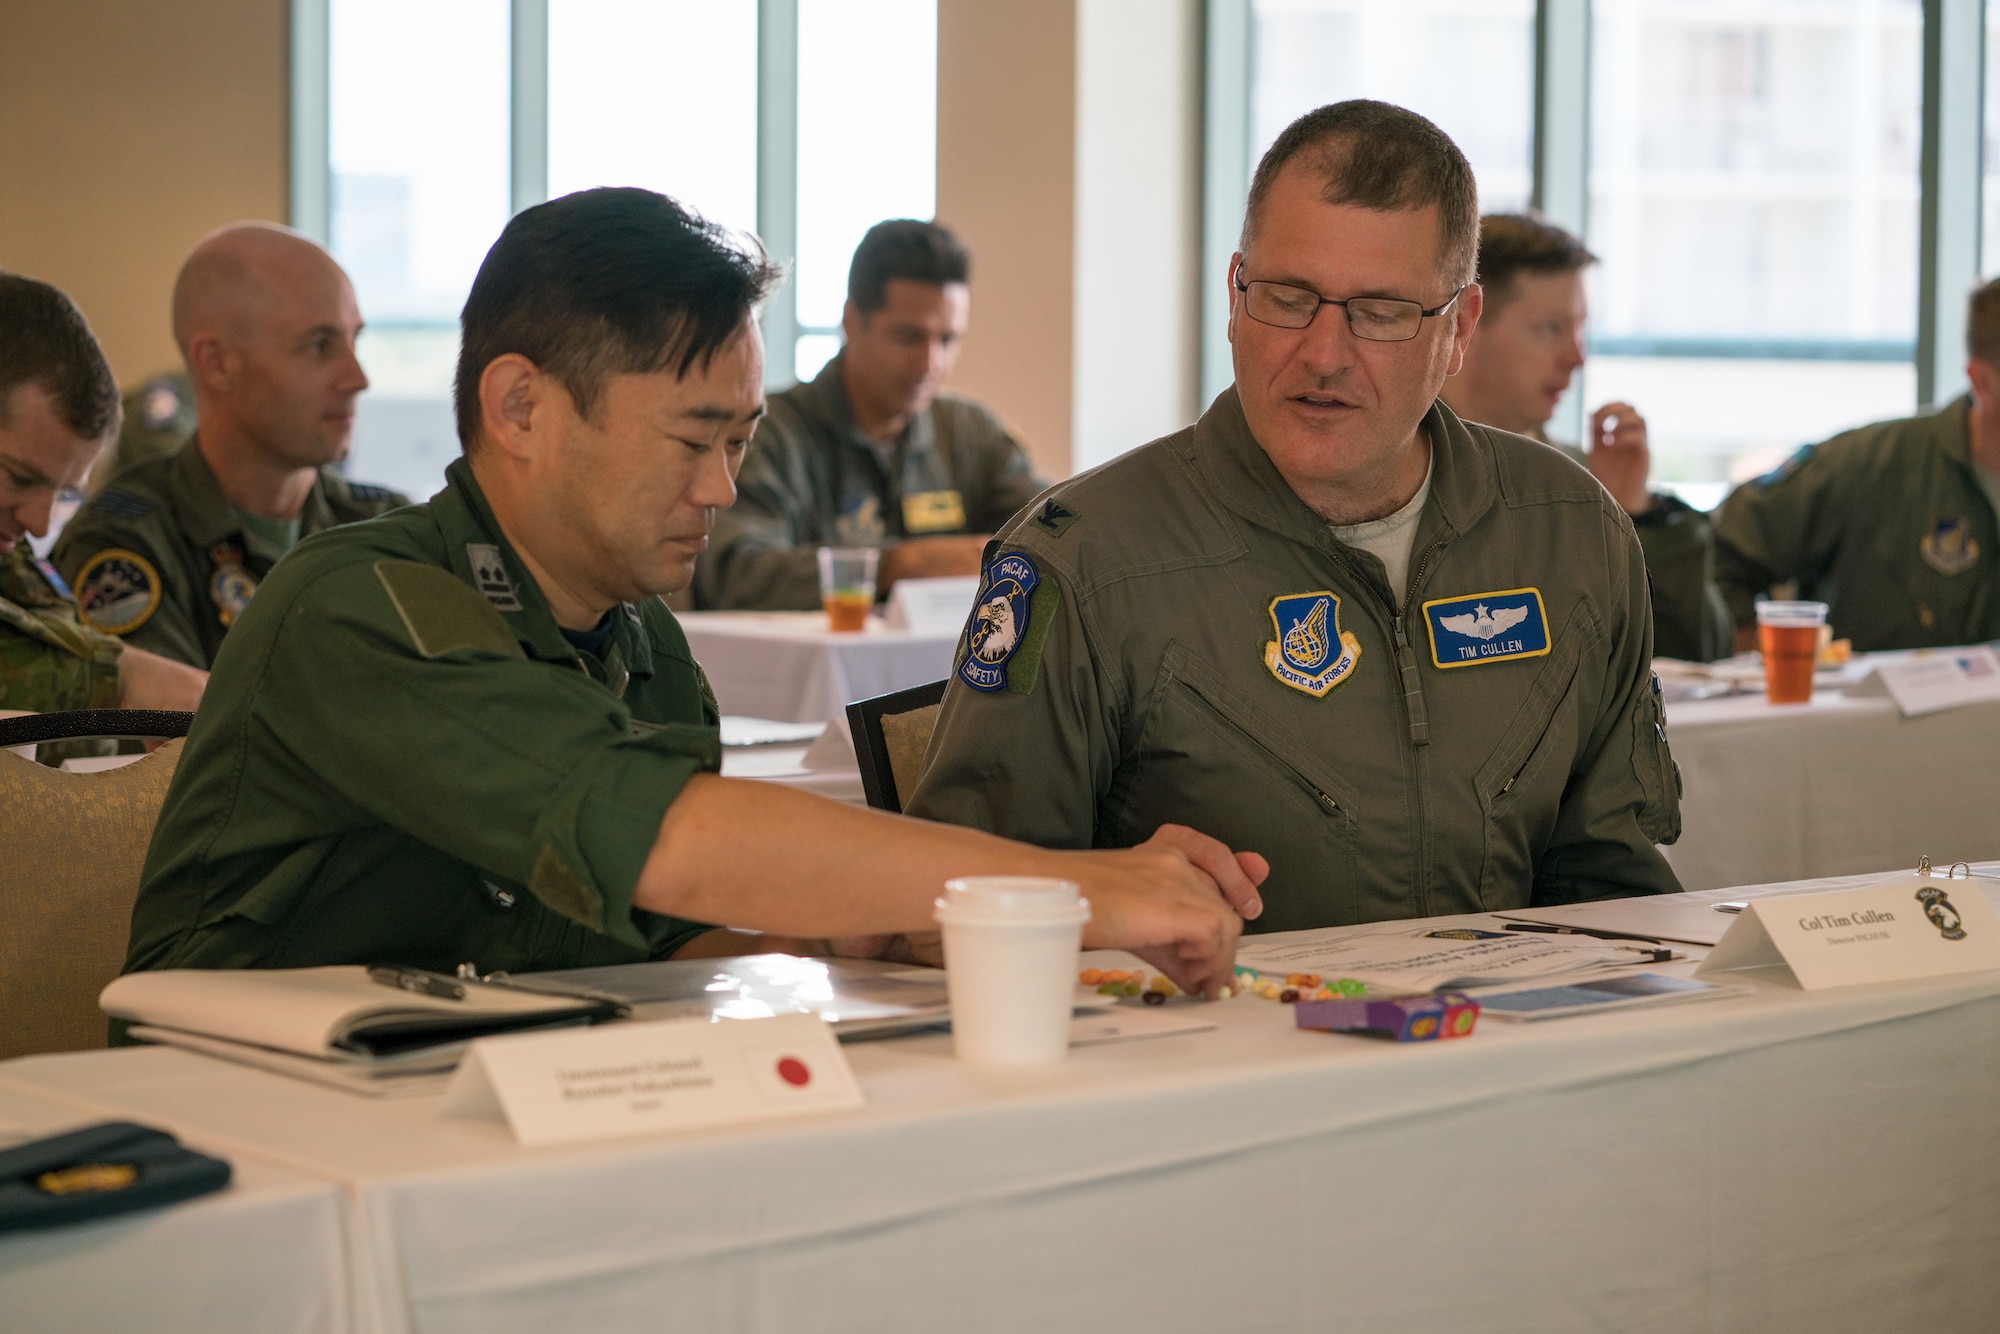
1578,931
417,980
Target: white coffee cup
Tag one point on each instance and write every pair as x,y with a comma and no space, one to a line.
1010,950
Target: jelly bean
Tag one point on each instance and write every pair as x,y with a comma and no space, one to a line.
1288,995
1156,998
1090,977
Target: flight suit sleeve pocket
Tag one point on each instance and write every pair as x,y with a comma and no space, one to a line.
1653,765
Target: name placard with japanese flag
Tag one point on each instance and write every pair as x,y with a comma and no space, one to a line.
633,1079
1912,926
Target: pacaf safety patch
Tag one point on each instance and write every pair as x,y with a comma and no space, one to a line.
117,591
1488,627
1003,623
1311,652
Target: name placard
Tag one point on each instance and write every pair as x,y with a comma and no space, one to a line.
635,1079
932,606
1910,927
1935,680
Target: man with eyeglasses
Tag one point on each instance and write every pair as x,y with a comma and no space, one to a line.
58,405
1405,658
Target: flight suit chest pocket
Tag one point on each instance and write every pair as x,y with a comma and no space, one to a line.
1209,758
1520,787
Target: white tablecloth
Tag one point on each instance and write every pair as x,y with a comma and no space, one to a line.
788,666
264,1256
1838,786
1784,1161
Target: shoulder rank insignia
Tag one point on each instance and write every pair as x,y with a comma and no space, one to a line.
489,573
1949,547
1054,516
122,504
117,591
232,586
1311,652
999,621
1488,627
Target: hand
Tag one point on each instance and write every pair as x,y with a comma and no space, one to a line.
930,558
1619,457
1177,901
149,681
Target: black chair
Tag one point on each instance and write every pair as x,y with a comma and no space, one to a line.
100,724
890,734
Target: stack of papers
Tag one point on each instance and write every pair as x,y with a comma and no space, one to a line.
1411,963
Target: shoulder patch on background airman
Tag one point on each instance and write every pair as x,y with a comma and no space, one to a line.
489,574
1054,516
160,402
1001,614
933,512
441,613
1488,627
1799,459
117,591
1310,653
122,504
1949,547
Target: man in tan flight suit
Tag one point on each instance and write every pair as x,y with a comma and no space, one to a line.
169,553
1896,525
870,453
1405,658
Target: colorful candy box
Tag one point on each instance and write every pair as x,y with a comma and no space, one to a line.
1446,1014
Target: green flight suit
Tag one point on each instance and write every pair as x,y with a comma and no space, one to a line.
161,559
401,759
1691,619
50,661
812,479
1888,524
159,418
1201,649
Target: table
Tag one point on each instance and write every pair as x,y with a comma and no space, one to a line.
786,665
1840,785
1784,1160
182,1269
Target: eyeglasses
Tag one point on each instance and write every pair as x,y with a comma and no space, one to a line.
1379,319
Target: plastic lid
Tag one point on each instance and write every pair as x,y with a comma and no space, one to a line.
1791,613
1012,898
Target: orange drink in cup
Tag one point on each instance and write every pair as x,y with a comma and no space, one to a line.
1788,633
847,586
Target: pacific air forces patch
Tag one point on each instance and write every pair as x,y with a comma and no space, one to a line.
1311,652
117,591
1001,617
1488,627
1949,547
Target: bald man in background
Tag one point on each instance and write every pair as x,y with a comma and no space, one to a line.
169,554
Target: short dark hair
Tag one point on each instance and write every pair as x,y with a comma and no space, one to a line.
1982,323
45,341
616,281
1511,244
904,248
1374,155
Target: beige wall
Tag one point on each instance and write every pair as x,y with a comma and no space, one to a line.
1006,183
127,129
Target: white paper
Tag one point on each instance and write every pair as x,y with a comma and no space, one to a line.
1405,962
1879,933
932,606
1125,1023
642,1078
1931,681
740,731
833,752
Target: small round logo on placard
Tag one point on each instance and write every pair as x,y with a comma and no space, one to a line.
794,1071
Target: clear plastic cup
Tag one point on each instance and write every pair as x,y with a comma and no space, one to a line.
1010,953
847,586
1789,634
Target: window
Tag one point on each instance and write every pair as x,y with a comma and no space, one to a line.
1753,199
417,160
1467,64
439,119
867,150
